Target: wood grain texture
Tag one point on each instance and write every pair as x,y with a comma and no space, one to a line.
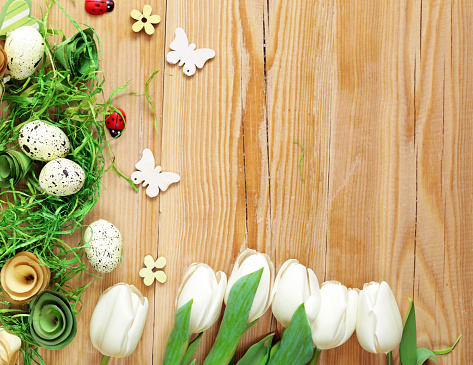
379,95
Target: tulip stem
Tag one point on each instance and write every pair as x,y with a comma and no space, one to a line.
105,360
315,357
389,358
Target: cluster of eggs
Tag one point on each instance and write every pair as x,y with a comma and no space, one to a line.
46,142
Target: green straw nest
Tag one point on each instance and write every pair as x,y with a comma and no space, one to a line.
29,219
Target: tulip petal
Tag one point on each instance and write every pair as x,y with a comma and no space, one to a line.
112,317
248,262
217,300
140,305
350,320
389,321
290,291
199,288
329,326
366,323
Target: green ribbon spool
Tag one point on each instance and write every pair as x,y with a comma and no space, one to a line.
52,322
13,166
78,54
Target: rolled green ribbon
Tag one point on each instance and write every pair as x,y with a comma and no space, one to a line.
13,166
52,322
78,54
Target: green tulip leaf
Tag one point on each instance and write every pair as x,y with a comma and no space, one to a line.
296,346
52,322
191,349
258,354
408,347
179,338
235,319
446,351
423,354
275,348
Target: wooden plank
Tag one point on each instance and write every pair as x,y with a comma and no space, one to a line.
371,206
203,219
443,130
299,90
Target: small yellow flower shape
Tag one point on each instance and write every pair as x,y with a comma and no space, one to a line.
147,272
145,20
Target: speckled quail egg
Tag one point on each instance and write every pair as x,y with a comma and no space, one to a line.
25,49
103,245
42,141
61,177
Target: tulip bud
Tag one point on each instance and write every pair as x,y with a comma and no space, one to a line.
9,347
378,323
207,289
248,262
118,320
336,320
294,285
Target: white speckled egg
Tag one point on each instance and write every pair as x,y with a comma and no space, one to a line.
61,177
25,49
42,141
103,245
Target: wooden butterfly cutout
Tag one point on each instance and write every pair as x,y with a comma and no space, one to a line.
16,14
152,176
186,54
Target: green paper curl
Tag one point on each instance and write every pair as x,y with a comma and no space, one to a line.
78,54
52,322
13,166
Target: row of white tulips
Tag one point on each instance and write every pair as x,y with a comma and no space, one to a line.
333,310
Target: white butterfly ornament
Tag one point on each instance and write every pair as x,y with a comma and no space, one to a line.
187,54
152,176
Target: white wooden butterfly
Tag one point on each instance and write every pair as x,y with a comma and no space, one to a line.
187,54
152,176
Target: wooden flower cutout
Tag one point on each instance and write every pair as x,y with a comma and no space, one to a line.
145,20
9,347
22,277
149,273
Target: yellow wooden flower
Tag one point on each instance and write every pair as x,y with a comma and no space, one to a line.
145,20
149,274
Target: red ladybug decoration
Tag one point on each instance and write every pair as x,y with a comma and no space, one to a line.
115,123
98,7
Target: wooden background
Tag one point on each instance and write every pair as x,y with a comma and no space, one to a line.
380,95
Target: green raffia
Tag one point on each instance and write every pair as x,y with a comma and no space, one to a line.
33,221
300,159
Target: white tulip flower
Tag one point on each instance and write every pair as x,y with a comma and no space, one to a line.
295,285
207,289
248,262
118,320
336,319
379,323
